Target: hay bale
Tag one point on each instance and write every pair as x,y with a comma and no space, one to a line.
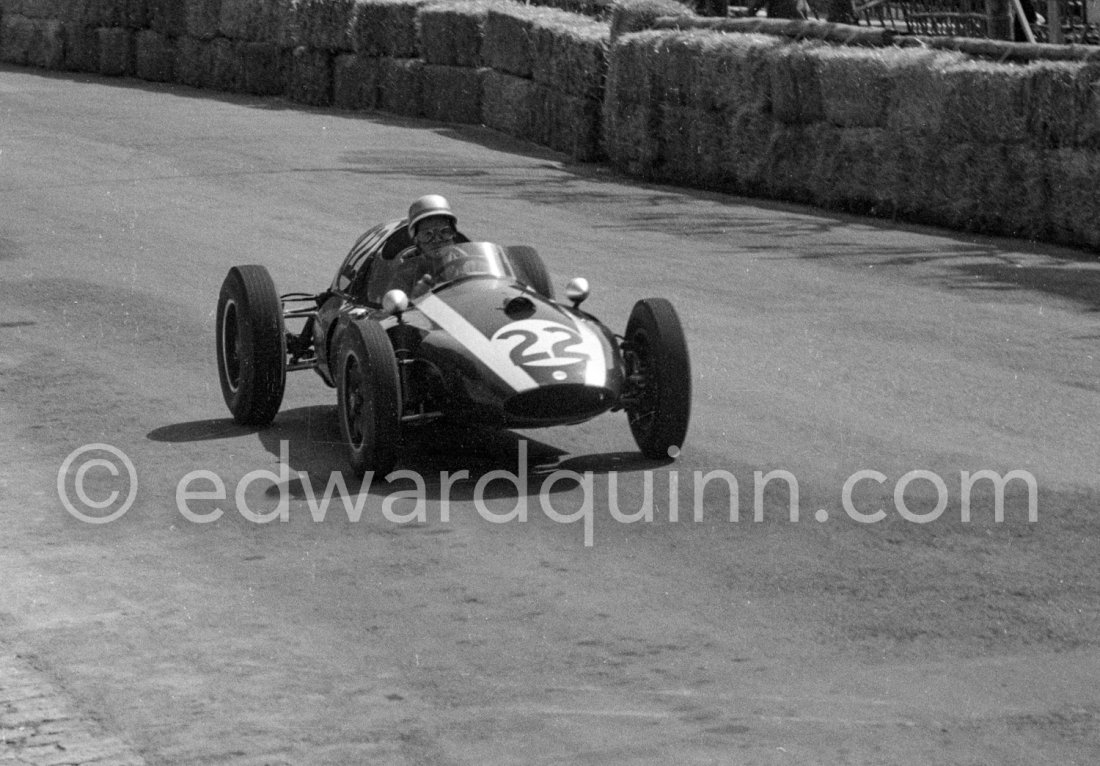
46,45
451,93
732,72
629,138
674,67
509,40
81,48
136,14
309,76
265,21
693,146
632,70
386,28
201,18
990,188
263,68
99,13
72,13
400,86
1059,96
570,54
355,82
1073,206
510,32
857,84
1088,128
226,73
508,103
986,103
168,17
325,24
631,105
789,158
568,123
452,34
116,51
154,57
710,71
18,38
36,9
795,91
193,61
943,189
848,171
748,137
88,13
41,42
236,19
636,15
918,101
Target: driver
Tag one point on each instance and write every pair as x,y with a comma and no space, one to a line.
432,229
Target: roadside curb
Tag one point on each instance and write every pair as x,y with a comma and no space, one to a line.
39,727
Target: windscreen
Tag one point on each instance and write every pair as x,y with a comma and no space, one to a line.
470,259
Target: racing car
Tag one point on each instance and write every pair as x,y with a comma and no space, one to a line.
488,345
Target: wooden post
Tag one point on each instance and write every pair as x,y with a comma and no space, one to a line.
1022,20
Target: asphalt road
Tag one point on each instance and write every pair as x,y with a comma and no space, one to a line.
822,346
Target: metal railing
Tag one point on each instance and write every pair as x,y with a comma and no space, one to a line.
1076,21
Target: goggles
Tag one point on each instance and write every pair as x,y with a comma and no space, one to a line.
427,236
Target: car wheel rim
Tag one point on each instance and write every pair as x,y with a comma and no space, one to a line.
231,346
353,401
643,414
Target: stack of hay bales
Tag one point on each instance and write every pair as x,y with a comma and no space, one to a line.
632,108
261,35
382,71
549,68
321,30
691,107
450,39
928,135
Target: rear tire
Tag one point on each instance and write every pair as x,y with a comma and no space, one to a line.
530,270
368,398
251,344
656,352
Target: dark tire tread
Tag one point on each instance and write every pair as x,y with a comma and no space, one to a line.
253,391
654,328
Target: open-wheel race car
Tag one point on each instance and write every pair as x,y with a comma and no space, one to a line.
486,345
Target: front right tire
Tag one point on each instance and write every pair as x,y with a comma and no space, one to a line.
656,355
251,345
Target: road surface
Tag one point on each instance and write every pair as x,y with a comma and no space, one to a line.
221,620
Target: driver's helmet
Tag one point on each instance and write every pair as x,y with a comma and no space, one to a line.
429,206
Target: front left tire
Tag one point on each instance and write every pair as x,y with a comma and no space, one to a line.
368,398
251,345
